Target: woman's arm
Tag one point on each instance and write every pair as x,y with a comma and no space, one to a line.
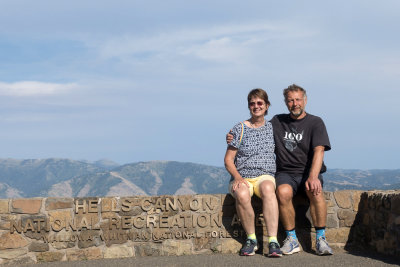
231,168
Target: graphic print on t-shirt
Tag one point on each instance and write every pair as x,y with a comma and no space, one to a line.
291,139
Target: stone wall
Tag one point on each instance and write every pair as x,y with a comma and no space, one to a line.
377,223
68,229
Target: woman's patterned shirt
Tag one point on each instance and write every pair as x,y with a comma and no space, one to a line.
255,155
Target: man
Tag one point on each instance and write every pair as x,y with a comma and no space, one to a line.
300,142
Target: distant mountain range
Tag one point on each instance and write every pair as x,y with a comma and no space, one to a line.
72,178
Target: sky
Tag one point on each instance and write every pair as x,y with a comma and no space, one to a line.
148,80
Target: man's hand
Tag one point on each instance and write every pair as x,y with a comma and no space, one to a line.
314,186
229,137
239,182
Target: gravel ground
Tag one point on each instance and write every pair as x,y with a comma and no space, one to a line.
340,258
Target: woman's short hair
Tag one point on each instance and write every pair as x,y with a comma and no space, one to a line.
260,93
293,88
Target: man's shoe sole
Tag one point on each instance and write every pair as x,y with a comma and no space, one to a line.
295,250
324,253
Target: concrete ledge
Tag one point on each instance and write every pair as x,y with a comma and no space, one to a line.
67,229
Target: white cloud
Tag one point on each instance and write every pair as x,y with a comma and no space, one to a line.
34,88
207,43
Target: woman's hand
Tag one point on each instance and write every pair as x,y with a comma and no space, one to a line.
237,183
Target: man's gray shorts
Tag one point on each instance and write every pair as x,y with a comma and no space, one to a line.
296,181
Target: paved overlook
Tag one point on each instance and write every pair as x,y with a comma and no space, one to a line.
340,258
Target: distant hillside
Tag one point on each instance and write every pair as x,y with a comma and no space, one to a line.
70,178
339,179
35,177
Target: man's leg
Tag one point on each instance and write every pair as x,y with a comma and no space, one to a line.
285,193
317,209
271,215
318,212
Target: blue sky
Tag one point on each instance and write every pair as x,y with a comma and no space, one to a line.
165,80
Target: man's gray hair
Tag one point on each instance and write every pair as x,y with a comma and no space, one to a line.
293,88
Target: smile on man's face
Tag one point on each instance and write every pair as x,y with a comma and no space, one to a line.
296,103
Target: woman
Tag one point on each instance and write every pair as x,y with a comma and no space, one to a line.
250,160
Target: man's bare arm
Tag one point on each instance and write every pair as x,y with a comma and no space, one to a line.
313,184
229,137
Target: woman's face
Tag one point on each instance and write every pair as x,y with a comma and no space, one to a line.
257,107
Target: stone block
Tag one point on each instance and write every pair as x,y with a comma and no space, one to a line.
331,210
338,235
230,246
380,246
86,205
109,204
120,251
331,203
210,203
347,217
93,253
62,215
114,236
201,243
89,238
13,253
10,241
59,203
37,236
332,221
91,220
172,247
148,249
397,220
395,203
84,254
26,206
5,221
21,261
59,219
62,245
49,256
386,201
356,200
226,246
343,199
133,211
184,202
4,207
109,214
38,247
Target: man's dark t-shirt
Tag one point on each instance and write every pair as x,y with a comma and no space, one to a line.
295,141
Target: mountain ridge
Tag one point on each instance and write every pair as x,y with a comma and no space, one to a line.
24,178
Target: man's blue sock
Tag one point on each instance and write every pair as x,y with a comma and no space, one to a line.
291,233
320,232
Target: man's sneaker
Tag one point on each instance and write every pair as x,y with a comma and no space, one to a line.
274,250
323,247
249,248
290,245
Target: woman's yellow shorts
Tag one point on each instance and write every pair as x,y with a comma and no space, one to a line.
254,184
